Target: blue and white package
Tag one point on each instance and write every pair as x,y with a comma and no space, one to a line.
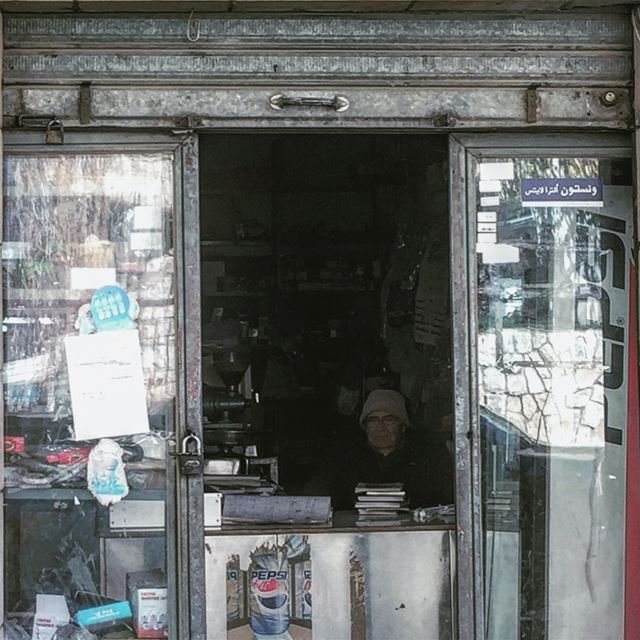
104,615
111,309
106,478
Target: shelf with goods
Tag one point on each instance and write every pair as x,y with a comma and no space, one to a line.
236,271
212,249
57,298
234,294
71,494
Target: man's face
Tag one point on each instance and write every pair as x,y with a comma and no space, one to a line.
384,431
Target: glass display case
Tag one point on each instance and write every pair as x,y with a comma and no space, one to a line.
89,386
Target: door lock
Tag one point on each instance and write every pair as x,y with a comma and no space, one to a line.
55,132
190,458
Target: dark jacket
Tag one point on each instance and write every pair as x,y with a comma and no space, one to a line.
426,474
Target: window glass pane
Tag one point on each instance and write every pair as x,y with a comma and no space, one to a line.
553,243
89,387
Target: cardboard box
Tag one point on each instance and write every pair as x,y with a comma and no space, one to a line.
147,593
150,612
104,616
51,613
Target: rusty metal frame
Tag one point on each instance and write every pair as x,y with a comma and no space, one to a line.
466,444
184,504
192,604
438,71
242,7
465,150
243,106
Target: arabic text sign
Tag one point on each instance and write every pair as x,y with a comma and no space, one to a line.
561,192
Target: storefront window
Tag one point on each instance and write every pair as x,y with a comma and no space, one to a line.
89,390
553,236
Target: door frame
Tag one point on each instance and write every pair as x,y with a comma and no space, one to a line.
186,505
184,518
463,149
190,488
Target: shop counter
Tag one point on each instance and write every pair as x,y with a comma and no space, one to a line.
341,581
342,522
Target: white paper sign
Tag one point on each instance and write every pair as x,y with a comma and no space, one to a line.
107,386
487,216
92,277
145,240
490,201
496,171
487,238
499,253
490,186
147,217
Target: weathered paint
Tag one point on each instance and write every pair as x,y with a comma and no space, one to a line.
369,107
427,70
450,31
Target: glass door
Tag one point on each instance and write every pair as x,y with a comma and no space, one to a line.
94,386
548,222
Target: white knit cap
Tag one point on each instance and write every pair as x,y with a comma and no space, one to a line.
385,400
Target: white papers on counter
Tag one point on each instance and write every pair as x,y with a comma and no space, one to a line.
108,397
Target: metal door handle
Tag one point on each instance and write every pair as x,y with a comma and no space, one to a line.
281,100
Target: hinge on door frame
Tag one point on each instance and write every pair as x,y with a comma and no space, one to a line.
84,103
532,103
187,123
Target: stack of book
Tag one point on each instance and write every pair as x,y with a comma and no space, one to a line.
381,503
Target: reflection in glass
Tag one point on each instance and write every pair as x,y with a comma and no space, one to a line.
73,224
551,308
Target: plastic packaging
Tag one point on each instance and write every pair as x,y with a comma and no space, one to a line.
73,632
13,631
441,514
43,468
106,478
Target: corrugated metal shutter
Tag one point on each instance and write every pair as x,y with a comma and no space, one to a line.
420,69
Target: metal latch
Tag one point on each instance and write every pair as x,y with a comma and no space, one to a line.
55,132
190,459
